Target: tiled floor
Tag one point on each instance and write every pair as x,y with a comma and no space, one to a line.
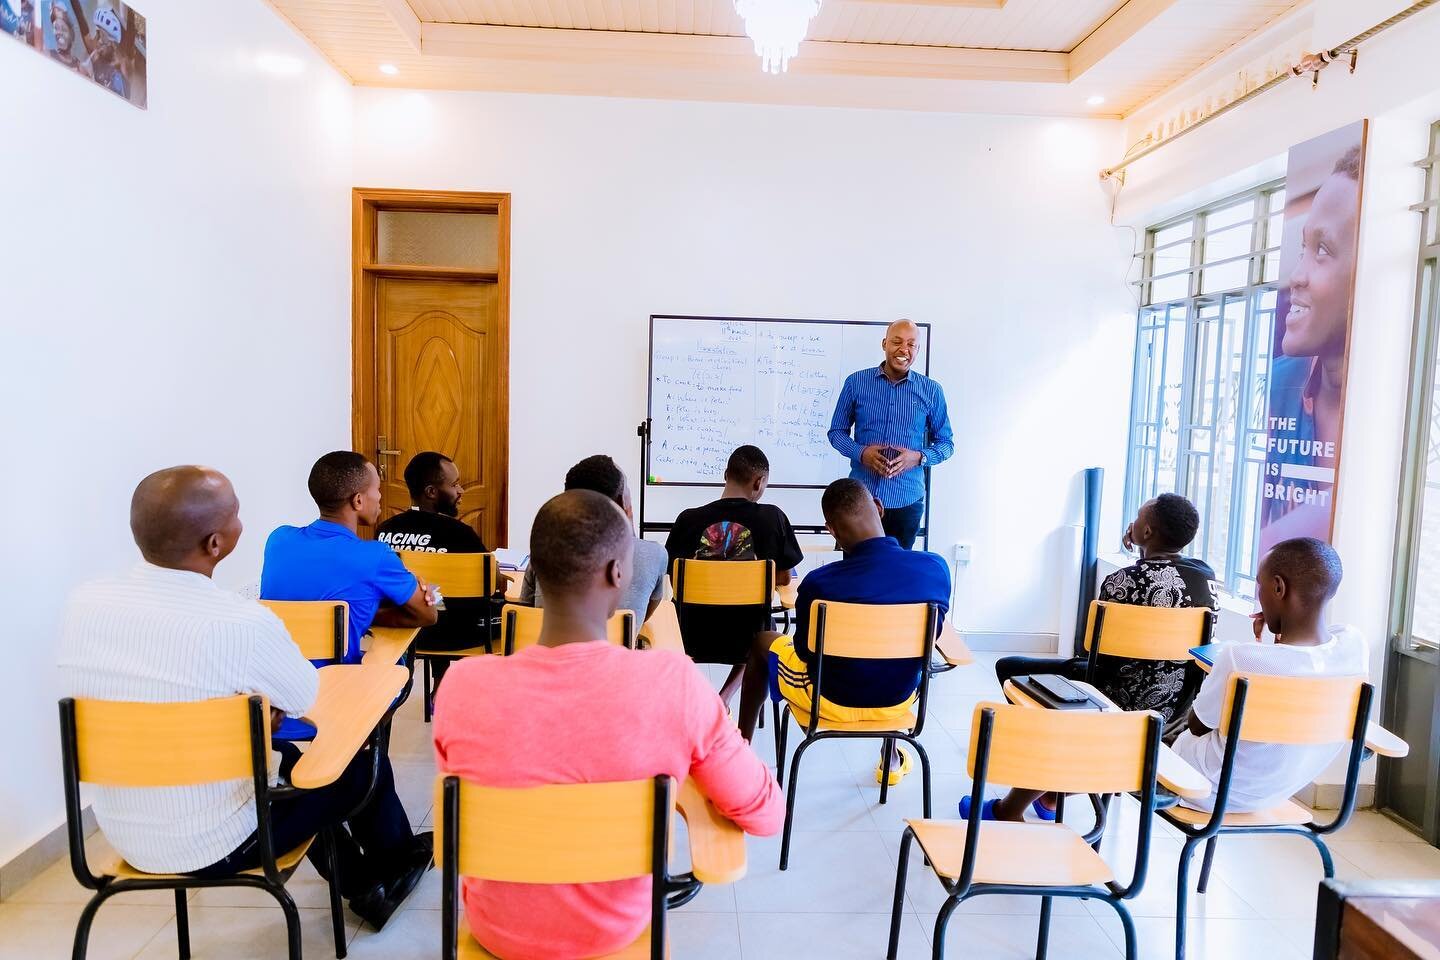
832,903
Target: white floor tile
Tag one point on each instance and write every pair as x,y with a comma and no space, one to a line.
40,931
246,933
989,937
410,935
1390,861
704,936
829,873
784,936
1367,826
1277,875
1213,939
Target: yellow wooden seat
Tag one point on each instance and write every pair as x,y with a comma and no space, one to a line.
1287,814
460,576
1047,750
859,631
557,834
898,725
123,745
320,628
285,863
702,584
520,628
470,949
1263,708
1028,854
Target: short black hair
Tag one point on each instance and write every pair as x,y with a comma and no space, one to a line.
423,470
1309,566
843,497
338,476
598,473
574,534
747,464
1176,520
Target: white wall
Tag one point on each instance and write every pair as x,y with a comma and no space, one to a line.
1394,87
176,289
993,229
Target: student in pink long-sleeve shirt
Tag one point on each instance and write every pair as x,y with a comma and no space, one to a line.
575,709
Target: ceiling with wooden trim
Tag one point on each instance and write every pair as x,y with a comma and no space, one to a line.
1051,57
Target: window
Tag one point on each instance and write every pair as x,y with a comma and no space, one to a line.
1202,362
1416,614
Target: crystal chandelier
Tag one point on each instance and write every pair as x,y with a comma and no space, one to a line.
777,27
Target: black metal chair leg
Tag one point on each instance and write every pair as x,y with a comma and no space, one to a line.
337,910
897,911
782,735
429,696
82,926
1043,942
1132,950
924,775
1327,862
1182,890
292,921
182,924
941,922
790,803
1205,865
886,752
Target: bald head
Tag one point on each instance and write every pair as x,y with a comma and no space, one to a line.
185,518
901,341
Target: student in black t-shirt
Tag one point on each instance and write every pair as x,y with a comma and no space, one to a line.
735,527
1162,528
432,525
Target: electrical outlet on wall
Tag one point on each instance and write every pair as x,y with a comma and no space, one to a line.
960,553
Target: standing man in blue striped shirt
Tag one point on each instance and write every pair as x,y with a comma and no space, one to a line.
900,426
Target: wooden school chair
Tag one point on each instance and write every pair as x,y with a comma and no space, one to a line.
702,584
320,628
1051,750
1261,708
562,833
520,628
118,744
462,576
860,631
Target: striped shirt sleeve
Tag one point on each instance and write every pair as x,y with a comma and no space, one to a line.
279,671
842,420
942,437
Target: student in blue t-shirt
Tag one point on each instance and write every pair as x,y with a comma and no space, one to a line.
327,560
877,570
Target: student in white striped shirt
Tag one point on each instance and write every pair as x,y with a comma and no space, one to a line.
166,633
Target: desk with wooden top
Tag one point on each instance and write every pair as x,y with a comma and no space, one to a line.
717,845
353,698
1173,773
1377,739
387,645
1378,920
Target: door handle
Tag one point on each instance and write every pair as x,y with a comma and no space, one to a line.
381,453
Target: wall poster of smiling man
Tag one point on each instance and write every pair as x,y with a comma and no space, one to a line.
1312,335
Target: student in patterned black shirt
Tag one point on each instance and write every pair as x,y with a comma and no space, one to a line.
1162,528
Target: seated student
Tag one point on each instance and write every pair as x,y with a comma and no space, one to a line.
327,560
1162,577
646,585
165,633
433,525
1296,580
582,701
735,527
874,569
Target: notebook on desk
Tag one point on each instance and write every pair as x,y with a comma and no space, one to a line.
1205,654
1055,693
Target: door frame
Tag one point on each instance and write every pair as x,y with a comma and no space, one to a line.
366,203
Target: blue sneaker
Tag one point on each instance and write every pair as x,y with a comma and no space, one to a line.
987,809
1043,812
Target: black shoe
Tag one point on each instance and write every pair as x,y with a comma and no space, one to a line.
371,906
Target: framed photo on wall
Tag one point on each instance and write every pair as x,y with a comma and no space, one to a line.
101,40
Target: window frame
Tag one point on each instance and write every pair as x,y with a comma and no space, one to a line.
1147,405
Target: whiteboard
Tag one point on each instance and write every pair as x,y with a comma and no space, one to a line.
719,382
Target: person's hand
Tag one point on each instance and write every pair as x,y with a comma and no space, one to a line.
873,460
429,589
1127,539
1257,623
907,460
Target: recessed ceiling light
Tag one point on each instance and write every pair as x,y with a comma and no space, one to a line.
1096,100
389,69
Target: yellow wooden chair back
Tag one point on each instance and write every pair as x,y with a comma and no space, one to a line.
559,833
520,627
1295,709
1146,633
1068,751
729,583
124,744
320,628
459,575
871,631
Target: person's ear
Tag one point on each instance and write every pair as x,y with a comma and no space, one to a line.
879,507
613,574
357,502
1280,587
213,545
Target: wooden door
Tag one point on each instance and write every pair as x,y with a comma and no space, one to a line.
440,387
